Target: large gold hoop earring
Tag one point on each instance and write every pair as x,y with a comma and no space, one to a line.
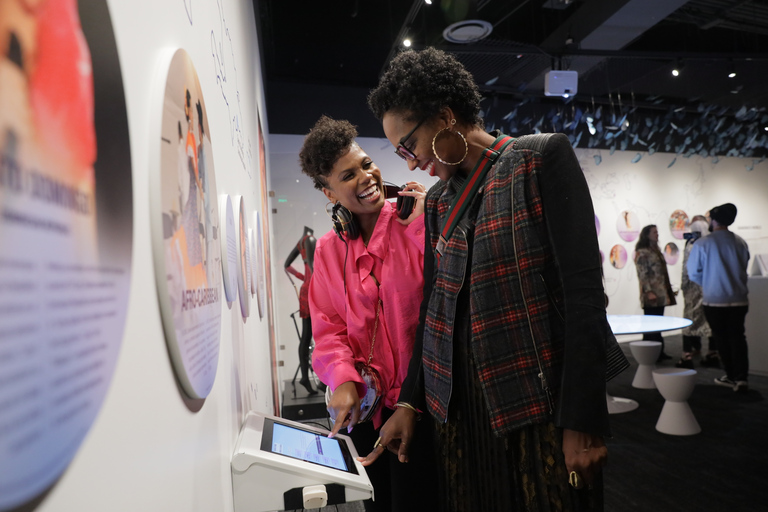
466,147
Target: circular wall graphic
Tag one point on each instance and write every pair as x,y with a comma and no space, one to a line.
618,256
671,253
228,239
243,287
66,224
597,225
185,230
261,286
628,225
678,221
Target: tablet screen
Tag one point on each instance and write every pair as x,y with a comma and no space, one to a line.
306,445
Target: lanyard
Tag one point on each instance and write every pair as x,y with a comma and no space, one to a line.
468,190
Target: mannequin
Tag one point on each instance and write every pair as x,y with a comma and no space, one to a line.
306,248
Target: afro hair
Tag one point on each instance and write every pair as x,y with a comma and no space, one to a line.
325,143
423,83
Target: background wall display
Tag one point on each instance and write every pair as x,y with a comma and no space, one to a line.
242,263
678,221
185,221
671,253
228,238
618,256
628,225
65,234
597,225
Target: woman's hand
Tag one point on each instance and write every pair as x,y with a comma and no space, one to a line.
344,406
651,297
419,192
585,454
395,435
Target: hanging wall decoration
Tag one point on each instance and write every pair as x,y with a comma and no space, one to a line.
66,224
628,225
678,221
618,256
228,240
671,253
243,287
185,228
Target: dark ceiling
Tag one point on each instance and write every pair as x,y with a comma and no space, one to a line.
323,57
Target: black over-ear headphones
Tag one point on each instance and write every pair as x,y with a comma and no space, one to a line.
344,222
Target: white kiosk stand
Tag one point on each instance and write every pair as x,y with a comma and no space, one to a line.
280,464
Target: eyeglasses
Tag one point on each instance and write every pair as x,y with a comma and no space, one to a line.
402,151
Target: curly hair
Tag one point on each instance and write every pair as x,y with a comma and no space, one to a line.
644,241
423,83
325,143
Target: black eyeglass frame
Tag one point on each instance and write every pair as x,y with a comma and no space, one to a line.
402,151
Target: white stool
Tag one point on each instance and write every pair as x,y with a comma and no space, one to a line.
645,353
676,385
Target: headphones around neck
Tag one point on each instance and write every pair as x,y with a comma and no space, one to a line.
344,221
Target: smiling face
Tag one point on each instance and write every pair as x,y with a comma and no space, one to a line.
355,181
397,127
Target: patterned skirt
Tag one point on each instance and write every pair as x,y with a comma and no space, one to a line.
524,471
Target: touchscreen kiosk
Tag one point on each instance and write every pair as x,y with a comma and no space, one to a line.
275,459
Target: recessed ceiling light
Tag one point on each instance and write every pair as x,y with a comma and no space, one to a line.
467,31
407,43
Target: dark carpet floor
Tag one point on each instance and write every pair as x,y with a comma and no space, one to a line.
722,469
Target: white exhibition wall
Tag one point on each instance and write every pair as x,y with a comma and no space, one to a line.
650,188
150,448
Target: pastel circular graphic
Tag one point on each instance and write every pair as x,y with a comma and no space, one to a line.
597,225
628,225
243,272
251,264
671,253
678,221
185,222
618,256
66,228
602,257
261,287
228,238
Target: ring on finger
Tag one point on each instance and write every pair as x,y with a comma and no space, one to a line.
575,480
377,443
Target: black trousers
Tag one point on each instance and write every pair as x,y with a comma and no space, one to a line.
654,336
397,486
727,324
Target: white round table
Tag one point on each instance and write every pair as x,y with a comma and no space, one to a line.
639,324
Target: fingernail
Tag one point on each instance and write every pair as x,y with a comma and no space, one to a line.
349,430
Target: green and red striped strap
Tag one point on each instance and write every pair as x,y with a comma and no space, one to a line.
471,185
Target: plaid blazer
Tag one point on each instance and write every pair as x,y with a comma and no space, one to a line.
518,356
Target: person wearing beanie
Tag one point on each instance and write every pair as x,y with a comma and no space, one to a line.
718,263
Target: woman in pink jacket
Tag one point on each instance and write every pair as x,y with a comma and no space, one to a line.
364,302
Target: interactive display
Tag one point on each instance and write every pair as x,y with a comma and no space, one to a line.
306,445
66,224
185,230
274,457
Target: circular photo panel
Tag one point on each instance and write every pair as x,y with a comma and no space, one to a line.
261,286
243,272
671,253
597,225
618,256
66,230
678,221
628,225
185,231
228,240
